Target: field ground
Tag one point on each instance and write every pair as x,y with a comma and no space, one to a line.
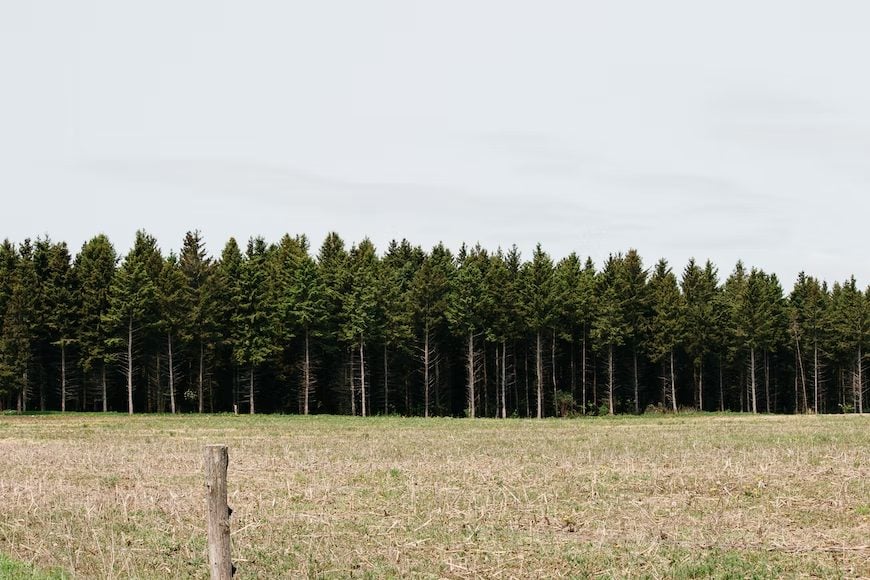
334,497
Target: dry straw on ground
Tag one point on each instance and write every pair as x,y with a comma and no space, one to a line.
685,496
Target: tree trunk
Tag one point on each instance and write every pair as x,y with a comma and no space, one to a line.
306,377
766,383
610,379
754,405
583,369
503,380
199,387
362,375
803,376
701,385
62,377
470,365
636,384
860,385
130,366
426,370
539,370
352,381
105,390
673,384
251,408
553,373
172,375
386,383
815,377
721,388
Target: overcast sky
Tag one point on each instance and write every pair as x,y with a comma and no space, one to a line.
719,130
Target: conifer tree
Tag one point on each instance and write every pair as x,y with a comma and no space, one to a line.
700,290
464,308
94,271
635,305
254,324
667,326
610,327
808,307
359,309
428,295
202,317
16,342
175,303
132,303
850,326
60,295
539,309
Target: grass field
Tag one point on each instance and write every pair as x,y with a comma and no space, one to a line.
663,496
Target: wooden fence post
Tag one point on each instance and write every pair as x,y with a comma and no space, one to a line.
219,554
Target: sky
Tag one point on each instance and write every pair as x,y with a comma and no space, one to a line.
691,128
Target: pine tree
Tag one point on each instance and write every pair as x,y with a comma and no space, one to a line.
203,308
359,309
464,307
539,310
60,295
226,290
667,326
95,270
394,308
16,341
808,308
132,303
702,319
635,305
850,326
610,327
254,324
428,296
175,303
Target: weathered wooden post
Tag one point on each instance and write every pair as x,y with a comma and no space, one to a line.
219,554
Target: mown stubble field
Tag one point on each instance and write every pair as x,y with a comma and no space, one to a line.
334,497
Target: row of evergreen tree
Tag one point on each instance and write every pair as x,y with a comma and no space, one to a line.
478,333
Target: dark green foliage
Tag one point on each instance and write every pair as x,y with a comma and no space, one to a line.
414,332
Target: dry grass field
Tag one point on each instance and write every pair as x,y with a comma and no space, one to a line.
107,496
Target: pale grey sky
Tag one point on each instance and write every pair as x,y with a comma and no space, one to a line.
722,130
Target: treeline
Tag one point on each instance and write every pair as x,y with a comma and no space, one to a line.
273,328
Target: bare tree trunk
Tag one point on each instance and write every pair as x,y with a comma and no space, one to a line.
673,384
503,380
352,384
306,377
471,398
610,379
800,359
539,370
172,375
553,373
362,375
766,383
636,384
105,390
130,366
426,370
860,408
386,383
199,387
251,409
815,377
721,388
526,372
583,369
62,376
754,406
701,385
